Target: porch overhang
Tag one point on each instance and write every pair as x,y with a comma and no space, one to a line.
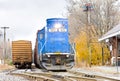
113,32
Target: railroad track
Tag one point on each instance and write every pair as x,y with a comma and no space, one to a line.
97,77
48,76
33,76
59,76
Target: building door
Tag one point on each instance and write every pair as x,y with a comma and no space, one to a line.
118,49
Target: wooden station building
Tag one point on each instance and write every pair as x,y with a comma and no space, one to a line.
112,37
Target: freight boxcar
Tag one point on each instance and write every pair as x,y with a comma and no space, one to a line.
22,53
53,50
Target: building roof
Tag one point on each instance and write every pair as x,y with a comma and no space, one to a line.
113,32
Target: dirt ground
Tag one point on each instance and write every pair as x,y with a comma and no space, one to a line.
5,67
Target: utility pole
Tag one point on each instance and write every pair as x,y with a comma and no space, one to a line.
4,50
0,47
88,7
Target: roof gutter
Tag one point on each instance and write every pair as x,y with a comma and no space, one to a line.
109,36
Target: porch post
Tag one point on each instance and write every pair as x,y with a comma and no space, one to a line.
117,53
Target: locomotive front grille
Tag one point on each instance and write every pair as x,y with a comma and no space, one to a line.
55,62
57,59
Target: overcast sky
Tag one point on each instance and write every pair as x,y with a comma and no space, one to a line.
25,17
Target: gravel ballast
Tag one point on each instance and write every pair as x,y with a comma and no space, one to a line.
4,76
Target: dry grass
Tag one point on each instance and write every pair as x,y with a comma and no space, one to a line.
5,67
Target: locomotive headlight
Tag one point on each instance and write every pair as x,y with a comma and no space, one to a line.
48,55
67,55
57,25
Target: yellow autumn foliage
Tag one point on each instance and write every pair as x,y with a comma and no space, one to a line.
92,53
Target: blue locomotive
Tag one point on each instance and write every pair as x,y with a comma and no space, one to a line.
52,49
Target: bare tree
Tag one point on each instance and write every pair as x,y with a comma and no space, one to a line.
105,15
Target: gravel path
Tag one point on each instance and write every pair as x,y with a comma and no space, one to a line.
4,76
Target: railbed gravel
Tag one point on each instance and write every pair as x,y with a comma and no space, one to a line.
5,76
